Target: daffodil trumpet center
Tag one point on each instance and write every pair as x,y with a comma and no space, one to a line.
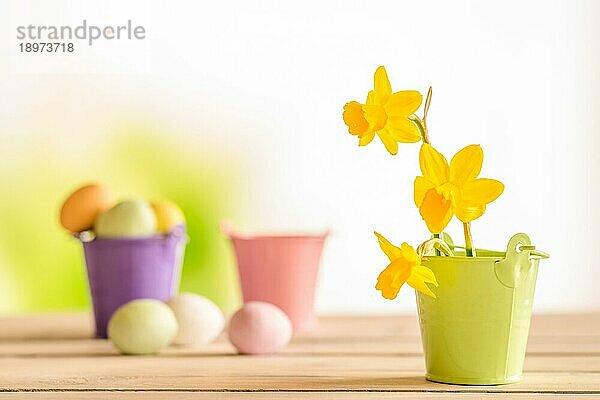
446,190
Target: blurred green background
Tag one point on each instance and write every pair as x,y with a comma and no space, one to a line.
41,266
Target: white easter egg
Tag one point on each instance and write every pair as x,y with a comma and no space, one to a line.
259,328
142,326
200,320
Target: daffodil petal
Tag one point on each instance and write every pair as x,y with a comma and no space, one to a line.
467,213
422,185
417,282
391,251
409,254
466,164
434,165
403,103
436,211
403,130
370,98
382,89
366,138
481,191
375,116
354,118
425,274
474,196
391,279
388,141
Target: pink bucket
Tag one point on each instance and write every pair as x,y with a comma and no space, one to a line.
282,270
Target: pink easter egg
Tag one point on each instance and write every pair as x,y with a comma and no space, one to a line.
259,328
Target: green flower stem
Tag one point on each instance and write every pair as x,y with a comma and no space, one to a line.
437,236
469,249
417,121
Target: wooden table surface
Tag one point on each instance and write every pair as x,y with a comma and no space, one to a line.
348,357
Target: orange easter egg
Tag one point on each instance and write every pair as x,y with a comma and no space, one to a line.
81,208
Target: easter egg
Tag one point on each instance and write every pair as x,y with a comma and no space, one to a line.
259,328
200,320
142,326
82,207
132,218
168,215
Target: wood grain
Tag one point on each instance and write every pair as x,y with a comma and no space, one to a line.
348,357
151,395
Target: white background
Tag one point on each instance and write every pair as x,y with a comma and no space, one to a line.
264,83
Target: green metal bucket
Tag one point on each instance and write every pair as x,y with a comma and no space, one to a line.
475,332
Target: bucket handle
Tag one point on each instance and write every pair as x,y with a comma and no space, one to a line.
514,268
533,253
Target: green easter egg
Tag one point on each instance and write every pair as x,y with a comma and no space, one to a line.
142,326
132,218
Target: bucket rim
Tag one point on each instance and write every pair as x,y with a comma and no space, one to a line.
233,234
178,232
141,239
271,236
480,254
467,258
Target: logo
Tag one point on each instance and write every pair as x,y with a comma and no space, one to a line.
89,33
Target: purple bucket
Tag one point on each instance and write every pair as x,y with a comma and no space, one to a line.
123,269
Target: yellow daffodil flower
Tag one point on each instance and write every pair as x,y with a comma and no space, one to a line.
405,266
385,114
446,190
